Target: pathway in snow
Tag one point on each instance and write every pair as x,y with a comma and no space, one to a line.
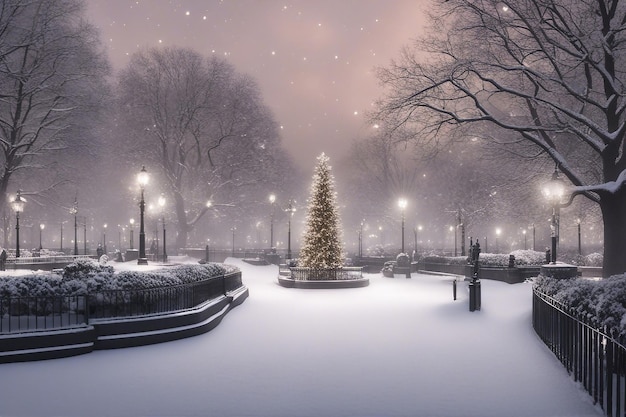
400,347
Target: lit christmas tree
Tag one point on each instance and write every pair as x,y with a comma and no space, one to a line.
322,246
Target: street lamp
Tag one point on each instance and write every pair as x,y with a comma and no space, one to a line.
361,239
461,226
554,190
452,230
41,227
402,204
132,230
580,252
524,233
272,200
74,212
233,248
142,179
18,207
498,231
104,238
290,210
162,205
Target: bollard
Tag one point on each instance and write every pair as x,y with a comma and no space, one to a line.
472,295
454,290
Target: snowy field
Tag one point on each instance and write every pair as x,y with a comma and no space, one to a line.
400,347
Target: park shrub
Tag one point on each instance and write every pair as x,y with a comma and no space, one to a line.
604,300
494,260
87,276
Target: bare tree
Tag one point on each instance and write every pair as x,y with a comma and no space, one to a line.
543,78
52,80
205,129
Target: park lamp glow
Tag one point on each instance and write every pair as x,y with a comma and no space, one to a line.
402,203
18,207
554,189
143,177
18,203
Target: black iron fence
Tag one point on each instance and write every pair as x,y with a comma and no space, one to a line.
22,314
594,357
19,314
326,274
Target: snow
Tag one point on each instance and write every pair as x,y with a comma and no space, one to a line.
400,347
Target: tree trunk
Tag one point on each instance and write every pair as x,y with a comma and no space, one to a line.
613,208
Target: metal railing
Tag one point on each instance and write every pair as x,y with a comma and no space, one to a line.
22,314
592,356
45,259
326,274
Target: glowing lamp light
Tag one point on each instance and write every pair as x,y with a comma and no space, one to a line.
554,189
143,177
18,203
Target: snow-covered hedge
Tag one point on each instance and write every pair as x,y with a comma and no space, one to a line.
522,258
87,276
603,301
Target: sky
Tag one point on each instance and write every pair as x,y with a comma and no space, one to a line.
399,347
313,60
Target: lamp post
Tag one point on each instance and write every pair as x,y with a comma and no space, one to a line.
498,231
451,229
85,235
132,230
580,252
104,238
162,205
524,233
272,199
534,235
461,225
18,207
290,210
142,178
74,211
554,190
41,227
361,238
232,229
402,204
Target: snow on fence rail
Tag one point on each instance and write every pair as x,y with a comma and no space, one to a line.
23,314
593,357
45,259
326,274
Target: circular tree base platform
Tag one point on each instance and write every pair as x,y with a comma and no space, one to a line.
323,284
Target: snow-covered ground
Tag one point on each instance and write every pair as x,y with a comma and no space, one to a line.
400,347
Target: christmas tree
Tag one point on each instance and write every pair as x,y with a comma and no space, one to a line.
322,246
